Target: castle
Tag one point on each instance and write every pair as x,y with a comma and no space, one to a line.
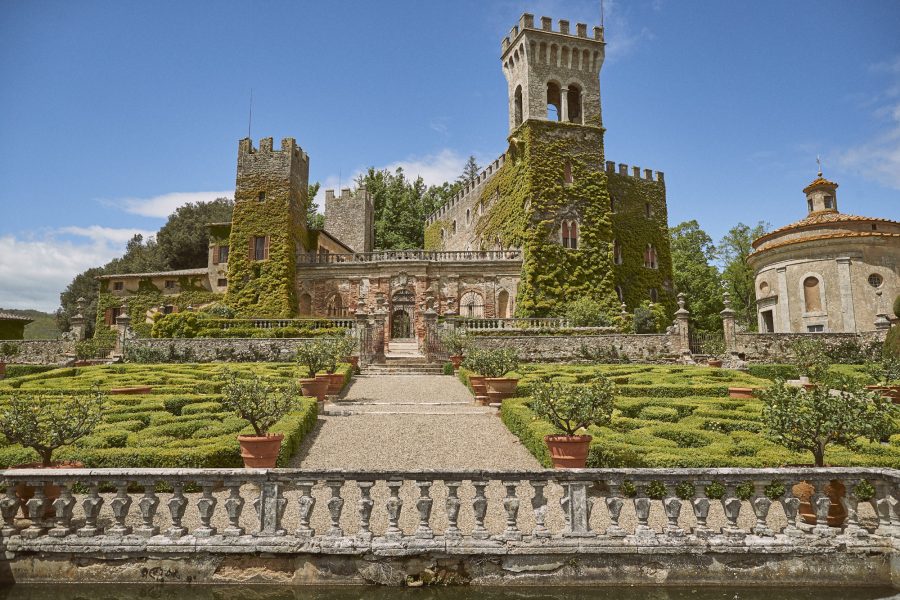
547,222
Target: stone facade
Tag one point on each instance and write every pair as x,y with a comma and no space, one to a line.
828,272
350,218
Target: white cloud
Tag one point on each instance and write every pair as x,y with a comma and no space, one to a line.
164,205
878,159
34,270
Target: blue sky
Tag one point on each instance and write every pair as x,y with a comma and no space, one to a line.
114,113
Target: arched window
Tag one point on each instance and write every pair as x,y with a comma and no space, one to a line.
554,102
574,104
503,305
305,305
573,235
620,293
468,216
517,106
617,252
564,234
650,257
648,210
471,305
453,227
334,306
812,294
613,203
654,295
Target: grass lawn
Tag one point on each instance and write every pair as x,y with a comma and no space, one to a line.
677,416
181,423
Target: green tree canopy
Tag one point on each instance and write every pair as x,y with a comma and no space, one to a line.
695,276
184,240
733,250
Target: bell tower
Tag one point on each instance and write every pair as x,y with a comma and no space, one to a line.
821,195
553,75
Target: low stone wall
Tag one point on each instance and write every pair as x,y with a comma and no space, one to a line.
219,349
41,352
560,348
775,347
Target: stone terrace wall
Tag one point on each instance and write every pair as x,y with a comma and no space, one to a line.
560,348
41,352
775,347
224,349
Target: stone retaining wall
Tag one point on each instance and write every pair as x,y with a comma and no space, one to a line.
775,347
223,349
560,348
40,352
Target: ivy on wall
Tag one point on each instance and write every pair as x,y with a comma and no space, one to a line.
526,202
433,234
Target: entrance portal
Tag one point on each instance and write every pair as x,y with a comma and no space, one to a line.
401,328
403,307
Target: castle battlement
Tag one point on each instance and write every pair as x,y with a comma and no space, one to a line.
526,21
346,194
635,172
288,145
485,174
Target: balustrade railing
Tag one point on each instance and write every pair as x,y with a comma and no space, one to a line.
321,511
317,323
412,255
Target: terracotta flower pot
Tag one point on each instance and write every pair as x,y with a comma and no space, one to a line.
260,451
314,387
484,400
479,387
456,360
501,388
714,363
568,451
740,392
888,391
51,492
145,389
335,383
835,490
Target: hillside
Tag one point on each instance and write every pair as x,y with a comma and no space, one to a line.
44,326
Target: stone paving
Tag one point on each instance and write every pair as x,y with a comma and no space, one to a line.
411,422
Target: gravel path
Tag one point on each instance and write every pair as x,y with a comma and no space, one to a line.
411,422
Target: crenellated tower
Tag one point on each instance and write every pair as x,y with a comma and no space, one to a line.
268,228
350,218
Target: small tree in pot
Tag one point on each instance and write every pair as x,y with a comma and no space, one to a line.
572,408
456,343
495,365
886,375
836,412
314,355
346,348
261,404
45,425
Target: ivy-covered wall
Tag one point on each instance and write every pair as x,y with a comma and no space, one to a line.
633,230
270,200
433,234
534,197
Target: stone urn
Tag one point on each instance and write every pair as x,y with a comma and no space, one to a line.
260,451
568,451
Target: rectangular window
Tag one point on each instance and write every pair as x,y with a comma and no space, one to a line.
223,254
114,313
222,282
768,322
261,197
170,284
168,309
118,286
260,248
815,328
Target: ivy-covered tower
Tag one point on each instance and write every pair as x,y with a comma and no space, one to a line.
268,226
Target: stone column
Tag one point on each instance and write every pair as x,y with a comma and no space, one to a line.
564,104
378,340
784,308
683,329
849,315
362,331
431,333
123,329
78,328
729,325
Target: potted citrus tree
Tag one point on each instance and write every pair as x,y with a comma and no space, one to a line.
455,343
346,347
336,351
886,375
572,408
474,362
837,411
314,355
261,404
496,364
45,425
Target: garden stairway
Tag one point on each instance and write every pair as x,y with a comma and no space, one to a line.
407,422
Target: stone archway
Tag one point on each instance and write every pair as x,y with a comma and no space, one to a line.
403,315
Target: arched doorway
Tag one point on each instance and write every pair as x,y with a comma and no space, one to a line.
403,315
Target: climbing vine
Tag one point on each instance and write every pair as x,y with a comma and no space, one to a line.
433,234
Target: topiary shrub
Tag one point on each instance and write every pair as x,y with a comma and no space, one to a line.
892,342
897,306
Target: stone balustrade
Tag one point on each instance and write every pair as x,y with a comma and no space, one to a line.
411,255
316,323
525,324
408,513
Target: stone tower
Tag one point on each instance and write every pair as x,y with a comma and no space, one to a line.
821,195
554,72
350,218
268,228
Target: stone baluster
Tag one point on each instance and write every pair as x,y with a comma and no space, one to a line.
206,507
577,509
335,507
36,506
177,506
234,506
700,506
511,506
394,506
479,508
884,509
148,504
63,507
851,505
307,503
364,508
120,505
539,506
642,511
270,507
821,505
91,506
452,505
423,505
731,504
790,504
614,503
9,506
761,505
672,507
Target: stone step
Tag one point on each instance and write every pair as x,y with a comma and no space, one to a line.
462,409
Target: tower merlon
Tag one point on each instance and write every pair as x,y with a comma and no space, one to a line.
648,174
526,23
266,146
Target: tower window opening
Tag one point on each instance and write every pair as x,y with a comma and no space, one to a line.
261,197
554,110
648,210
569,234
517,106
574,104
650,257
654,295
829,202
567,173
617,253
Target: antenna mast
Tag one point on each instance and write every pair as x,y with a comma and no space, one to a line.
250,118
602,24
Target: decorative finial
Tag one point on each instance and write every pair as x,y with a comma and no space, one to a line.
680,300
819,163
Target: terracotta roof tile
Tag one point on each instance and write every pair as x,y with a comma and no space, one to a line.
201,271
821,217
827,236
820,181
11,317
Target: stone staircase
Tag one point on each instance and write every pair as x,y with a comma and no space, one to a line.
403,358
